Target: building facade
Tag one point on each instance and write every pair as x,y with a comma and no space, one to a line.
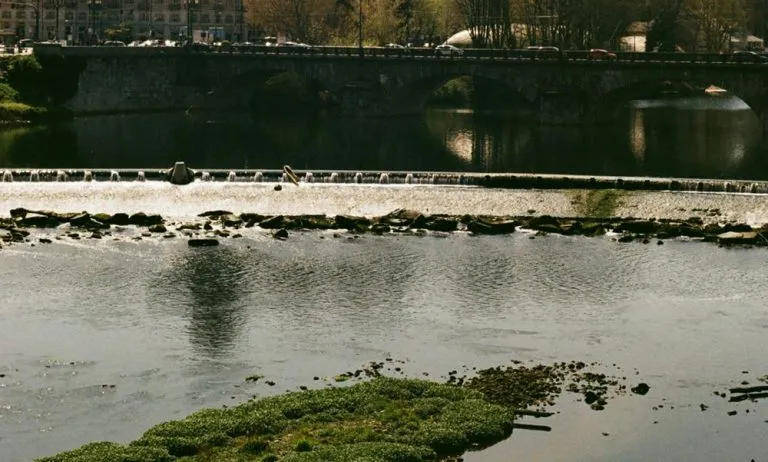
83,22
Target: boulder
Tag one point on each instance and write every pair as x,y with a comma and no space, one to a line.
280,234
142,219
180,174
202,242
272,222
120,219
400,217
543,221
637,227
381,228
479,226
37,221
735,238
231,220
442,224
316,222
157,229
84,220
352,223
214,213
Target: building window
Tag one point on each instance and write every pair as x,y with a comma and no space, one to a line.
69,15
175,17
144,17
205,18
82,16
159,17
48,14
6,15
228,19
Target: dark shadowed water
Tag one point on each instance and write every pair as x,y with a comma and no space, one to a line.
176,329
710,137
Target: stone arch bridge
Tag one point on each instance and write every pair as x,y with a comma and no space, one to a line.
561,91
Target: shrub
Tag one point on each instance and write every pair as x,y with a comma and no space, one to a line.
8,93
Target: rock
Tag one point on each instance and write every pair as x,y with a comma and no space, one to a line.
157,229
37,221
479,226
592,229
736,227
641,389
95,235
203,242
44,240
142,219
214,213
637,227
278,187
442,224
119,219
381,228
400,217
276,222
281,234
189,226
169,235
590,397
733,238
19,212
251,219
102,217
544,220
180,174
352,223
316,222
86,221
231,220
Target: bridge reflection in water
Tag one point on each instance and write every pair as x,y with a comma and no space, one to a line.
711,137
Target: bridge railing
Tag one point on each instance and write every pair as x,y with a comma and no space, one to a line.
483,54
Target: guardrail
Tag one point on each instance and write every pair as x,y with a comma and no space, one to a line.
469,54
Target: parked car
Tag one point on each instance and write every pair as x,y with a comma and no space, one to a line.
448,50
114,43
545,52
25,43
598,54
303,46
749,57
397,48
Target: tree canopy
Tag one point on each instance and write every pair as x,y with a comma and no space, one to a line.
694,25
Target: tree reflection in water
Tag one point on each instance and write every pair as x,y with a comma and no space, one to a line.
208,284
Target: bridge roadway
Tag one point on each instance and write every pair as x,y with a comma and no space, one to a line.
568,88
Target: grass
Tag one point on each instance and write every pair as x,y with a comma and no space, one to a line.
14,111
384,420
598,203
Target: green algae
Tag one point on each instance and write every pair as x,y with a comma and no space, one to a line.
385,419
598,203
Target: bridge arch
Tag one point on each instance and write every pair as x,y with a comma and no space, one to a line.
278,89
487,92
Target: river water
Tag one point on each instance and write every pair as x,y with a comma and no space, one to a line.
175,329
101,339
709,137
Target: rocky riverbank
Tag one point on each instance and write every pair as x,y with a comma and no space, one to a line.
212,226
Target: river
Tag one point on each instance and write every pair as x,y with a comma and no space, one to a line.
101,339
175,329
706,137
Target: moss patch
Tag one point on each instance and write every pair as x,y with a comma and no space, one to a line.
385,419
598,203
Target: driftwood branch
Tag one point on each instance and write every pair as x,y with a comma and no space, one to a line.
538,428
736,399
533,413
755,389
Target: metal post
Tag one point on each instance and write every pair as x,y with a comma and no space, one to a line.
37,21
360,28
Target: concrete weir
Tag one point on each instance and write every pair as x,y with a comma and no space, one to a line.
181,174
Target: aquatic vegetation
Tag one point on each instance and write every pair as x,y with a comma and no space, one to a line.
598,203
384,419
